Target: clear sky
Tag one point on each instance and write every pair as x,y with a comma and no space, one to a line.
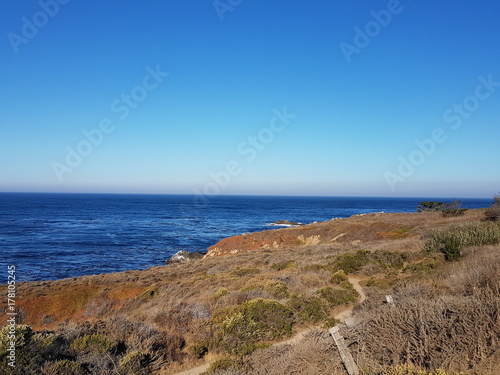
316,97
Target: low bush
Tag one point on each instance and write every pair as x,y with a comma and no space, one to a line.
308,309
221,293
388,260
277,289
493,213
98,344
134,363
245,271
337,297
430,206
284,265
451,240
350,263
338,277
240,329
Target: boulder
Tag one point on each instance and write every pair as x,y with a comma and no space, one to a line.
185,256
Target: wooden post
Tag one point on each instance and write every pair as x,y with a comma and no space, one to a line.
345,354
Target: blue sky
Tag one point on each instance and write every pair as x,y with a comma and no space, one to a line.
258,97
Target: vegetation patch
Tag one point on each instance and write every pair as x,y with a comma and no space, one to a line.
338,277
319,267
134,363
240,329
92,344
339,296
388,259
245,271
451,240
277,289
493,213
284,265
350,263
308,309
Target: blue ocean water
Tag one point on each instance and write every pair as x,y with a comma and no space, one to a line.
54,236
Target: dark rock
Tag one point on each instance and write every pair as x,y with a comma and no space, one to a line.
185,256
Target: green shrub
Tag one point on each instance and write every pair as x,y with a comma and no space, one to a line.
447,209
240,329
308,309
199,349
421,267
92,344
493,213
319,267
388,259
350,263
245,271
452,249
23,334
28,359
338,277
430,206
451,240
277,289
284,265
134,363
221,293
337,297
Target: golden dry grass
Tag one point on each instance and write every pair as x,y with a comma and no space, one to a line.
180,299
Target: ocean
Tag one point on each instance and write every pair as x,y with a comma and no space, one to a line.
55,236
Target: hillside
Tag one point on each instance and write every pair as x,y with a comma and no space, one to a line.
278,283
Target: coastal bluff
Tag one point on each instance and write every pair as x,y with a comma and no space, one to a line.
354,229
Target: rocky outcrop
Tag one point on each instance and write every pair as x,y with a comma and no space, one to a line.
287,223
185,256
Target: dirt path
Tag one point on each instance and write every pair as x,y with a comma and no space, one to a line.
195,371
342,316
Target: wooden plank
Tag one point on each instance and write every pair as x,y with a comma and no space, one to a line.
345,354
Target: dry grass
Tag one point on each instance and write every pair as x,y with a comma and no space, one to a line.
180,300
448,320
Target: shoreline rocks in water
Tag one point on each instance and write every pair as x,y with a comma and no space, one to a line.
185,256
287,223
